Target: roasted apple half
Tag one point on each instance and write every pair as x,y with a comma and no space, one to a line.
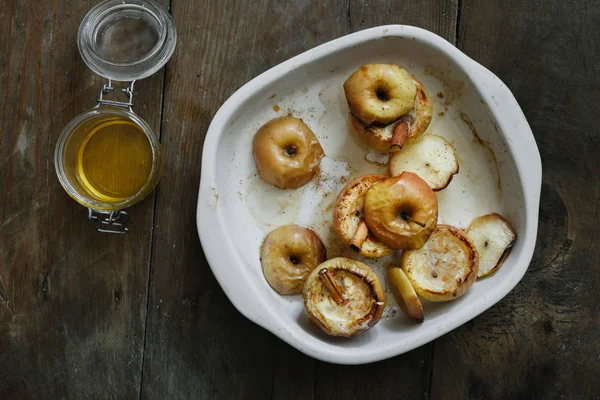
343,297
431,157
493,236
349,222
401,211
445,268
388,106
286,152
288,254
404,293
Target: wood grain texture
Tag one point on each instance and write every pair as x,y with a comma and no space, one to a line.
542,340
84,315
72,301
198,345
293,373
405,376
434,15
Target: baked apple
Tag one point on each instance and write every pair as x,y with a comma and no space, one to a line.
348,218
445,268
493,237
404,293
431,157
388,106
343,297
286,152
288,254
401,211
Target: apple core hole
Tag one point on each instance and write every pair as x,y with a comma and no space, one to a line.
290,150
382,94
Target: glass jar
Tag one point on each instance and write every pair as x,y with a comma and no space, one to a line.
126,40
108,158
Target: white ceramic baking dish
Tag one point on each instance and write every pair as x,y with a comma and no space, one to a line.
500,171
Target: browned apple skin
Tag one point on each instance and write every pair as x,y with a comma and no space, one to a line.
423,111
351,198
314,287
375,136
444,240
404,293
286,152
393,205
288,254
476,234
380,93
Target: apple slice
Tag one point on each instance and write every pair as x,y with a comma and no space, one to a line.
445,268
431,157
405,294
493,237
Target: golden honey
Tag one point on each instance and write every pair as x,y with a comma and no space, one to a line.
113,161
108,158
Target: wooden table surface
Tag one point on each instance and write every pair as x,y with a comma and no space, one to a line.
89,315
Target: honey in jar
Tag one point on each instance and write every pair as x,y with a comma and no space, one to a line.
114,160
108,158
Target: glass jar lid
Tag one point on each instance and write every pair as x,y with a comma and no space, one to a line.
126,40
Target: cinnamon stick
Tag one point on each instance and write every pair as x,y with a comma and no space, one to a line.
360,235
334,289
400,135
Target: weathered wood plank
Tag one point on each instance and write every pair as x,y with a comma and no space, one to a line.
72,301
437,16
293,373
542,340
220,49
405,376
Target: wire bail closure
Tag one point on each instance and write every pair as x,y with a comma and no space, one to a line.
108,87
110,221
109,40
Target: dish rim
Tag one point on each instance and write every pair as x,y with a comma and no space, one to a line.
219,249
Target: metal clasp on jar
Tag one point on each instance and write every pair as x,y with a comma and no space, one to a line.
110,221
107,88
